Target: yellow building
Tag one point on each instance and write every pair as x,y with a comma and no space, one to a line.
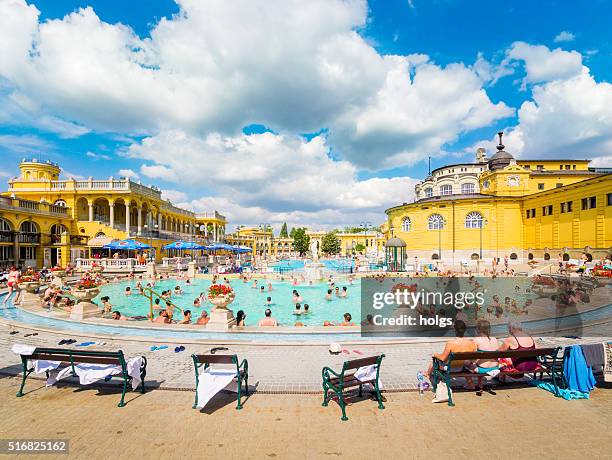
262,242
526,209
369,242
90,212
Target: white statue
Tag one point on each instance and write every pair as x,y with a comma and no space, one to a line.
314,250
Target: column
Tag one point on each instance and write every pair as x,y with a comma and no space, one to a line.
159,221
215,231
112,213
91,216
127,219
139,220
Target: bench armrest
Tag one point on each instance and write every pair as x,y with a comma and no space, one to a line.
244,365
326,371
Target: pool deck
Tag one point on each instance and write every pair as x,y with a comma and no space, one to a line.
521,424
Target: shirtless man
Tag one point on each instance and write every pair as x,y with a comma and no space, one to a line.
461,343
268,320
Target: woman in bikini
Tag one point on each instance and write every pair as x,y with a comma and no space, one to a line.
13,284
519,340
484,342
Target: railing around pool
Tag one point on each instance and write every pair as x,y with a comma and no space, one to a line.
112,265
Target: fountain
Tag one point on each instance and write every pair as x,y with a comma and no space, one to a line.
313,270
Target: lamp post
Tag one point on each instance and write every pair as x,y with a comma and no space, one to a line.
481,224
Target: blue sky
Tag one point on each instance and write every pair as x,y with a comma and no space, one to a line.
220,86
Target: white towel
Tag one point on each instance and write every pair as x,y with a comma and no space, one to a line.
211,382
23,349
89,373
366,373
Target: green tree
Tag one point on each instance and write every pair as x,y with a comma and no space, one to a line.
292,233
359,247
283,231
330,244
301,241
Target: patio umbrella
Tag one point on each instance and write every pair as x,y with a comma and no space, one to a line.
241,249
219,246
129,245
184,245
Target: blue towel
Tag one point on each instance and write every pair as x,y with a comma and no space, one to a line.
563,392
577,374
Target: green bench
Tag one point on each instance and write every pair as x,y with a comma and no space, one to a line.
549,360
71,357
242,372
335,383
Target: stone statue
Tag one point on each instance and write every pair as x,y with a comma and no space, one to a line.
314,250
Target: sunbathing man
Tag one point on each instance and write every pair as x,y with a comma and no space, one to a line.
268,320
461,343
116,315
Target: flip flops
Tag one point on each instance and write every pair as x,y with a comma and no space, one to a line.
31,334
161,347
179,349
66,342
357,352
85,344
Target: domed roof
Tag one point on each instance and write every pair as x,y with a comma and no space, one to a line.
502,158
396,242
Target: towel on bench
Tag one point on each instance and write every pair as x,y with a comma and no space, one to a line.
88,373
365,373
211,382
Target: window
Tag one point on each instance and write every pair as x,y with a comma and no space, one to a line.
428,192
560,166
61,203
531,213
609,199
4,226
473,220
28,227
27,253
540,186
406,224
547,210
540,167
6,253
573,166
435,222
468,188
589,203
568,167
446,190
558,184
566,207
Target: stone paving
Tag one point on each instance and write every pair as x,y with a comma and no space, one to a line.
272,368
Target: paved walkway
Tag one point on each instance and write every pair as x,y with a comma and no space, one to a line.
520,424
273,368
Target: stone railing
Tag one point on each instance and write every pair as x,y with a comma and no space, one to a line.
210,215
112,265
18,204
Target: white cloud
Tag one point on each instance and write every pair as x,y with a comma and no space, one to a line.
174,195
255,172
541,63
71,175
98,156
27,144
564,36
129,173
293,66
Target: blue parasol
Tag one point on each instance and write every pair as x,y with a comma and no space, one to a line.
219,246
128,245
241,249
184,245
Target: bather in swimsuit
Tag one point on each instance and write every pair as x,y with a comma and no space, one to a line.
524,364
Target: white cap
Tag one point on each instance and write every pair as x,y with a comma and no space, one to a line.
335,348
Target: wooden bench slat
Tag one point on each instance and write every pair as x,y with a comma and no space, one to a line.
216,359
361,362
76,359
463,355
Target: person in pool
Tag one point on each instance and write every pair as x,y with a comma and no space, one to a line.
254,285
306,309
337,291
296,296
178,290
298,309
186,317
268,320
106,305
269,300
203,319
347,320
344,292
262,289
328,296
128,291
270,287
240,317
117,316
162,318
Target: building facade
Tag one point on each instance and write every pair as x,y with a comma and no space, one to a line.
90,213
524,209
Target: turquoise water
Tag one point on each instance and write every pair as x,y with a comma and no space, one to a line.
339,265
251,300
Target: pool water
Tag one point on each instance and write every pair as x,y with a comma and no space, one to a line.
251,300
338,265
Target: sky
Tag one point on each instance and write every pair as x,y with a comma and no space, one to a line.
321,113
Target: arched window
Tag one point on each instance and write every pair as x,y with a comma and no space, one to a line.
435,222
435,256
474,256
566,257
473,220
428,192
446,189
406,224
61,203
547,256
468,188
58,229
4,226
28,227
513,256
530,256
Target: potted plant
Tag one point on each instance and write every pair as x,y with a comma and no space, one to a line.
221,295
96,267
86,289
58,271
